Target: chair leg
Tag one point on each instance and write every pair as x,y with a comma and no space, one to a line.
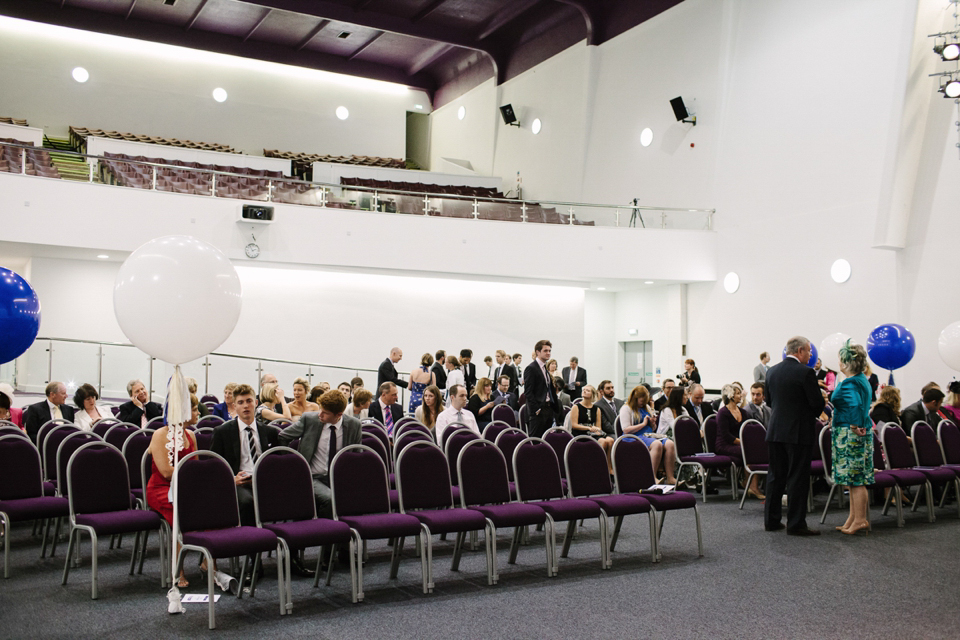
143,551
616,532
257,560
133,555
652,519
605,560
551,535
899,499
663,516
286,603
93,564
426,559
568,538
457,550
6,543
66,564
211,601
931,517
395,559
243,576
330,561
515,545
744,498
696,513
490,538
44,531
833,488
356,567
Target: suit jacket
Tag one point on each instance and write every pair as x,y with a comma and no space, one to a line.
759,373
309,428
131,413
36,415
609,415
226,441
914,413
388,373
705,408
510,399
535,389
469,376
795,400
581,378
511,372
441,373
375,412
761,414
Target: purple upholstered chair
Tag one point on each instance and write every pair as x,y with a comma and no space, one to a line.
133,450
949,436
756,456
899,461
98,486
209,397
372,422
423,478
633,473
588,477
524,420
402,421
209,422
537,473
410,424
46,427
284,504
369,440
710,433
204,436
103,425
507,442
451,429
930,460
209,519
12,430
21,491
48,443
405,438
378,431
484,487
495,428
156,423
454,445
504,413
559,438
686,433
118,434
361,498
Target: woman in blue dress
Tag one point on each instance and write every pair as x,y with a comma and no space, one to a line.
420,380
637,418
852,436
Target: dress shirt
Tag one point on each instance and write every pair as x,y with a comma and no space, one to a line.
451,415
54,410
665,426
246,459
571,382
321,457
546,376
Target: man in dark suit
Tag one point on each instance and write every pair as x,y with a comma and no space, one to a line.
757,409
609,406
388,372
386,409
661,402
439,370
574,378
925,409
139,410
795,399
503,391
543,405
36,415
696,407
506,368
469,370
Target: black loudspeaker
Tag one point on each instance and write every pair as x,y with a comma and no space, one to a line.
257,212
679,110
509,117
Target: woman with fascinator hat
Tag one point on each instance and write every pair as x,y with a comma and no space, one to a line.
852,436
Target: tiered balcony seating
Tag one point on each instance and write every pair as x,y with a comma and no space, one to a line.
37,159
16,121
78,140
303,162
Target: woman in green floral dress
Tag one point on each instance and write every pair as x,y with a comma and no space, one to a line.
852,435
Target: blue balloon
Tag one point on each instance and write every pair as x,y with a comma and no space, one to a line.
891,346
814,355
19,315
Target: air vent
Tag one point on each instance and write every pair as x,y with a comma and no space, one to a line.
169,3
343,34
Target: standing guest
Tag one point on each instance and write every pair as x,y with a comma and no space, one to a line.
139,409
386,409
89,412
661,401
300,404
502,393
192,388
575,378
586,419
852,435
517,359
873,380
565,401
481,404
637,419
315,394
420,379
887,408
505,368
456,412
543,405
760,371
226,409
270,396
926,409
690,373
729,420
794,397
323,385
346,390
454,375
36,415
469,370
673,410
487,360
609,406
756,409
951,408
821,372
359,407
438,370
696,407
7,411
388,371
431,407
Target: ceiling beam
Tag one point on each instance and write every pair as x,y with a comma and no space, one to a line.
364,46
313,34
590,17
257,26
196,14
505,16
428,57
427,10
360,5
133,3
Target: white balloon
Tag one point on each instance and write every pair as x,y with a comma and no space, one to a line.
830,350
177,298
950,345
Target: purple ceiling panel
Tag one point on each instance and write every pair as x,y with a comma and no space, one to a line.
156,11
284,28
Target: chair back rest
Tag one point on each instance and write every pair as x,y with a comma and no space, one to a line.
210,422
380,433
359,482
204,436
495,428
586,466
20,474
482,470
817,429
423,477
133,450
949,436
49,445
209,397
896,447
524,419
98,480
411,424
879,457
48,426
504,413
115,409
206,493
280,423
118,434
753,443
12,431
283,487
455,443
826,453
451,429
156,423
507,441
374,422
632,467
537,470
7,423
710,433
402,421
686,435
70,444
559,438
103,425
374,443
926,450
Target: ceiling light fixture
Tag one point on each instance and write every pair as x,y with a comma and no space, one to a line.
731,282
536,126
103,256
220,94
646,137
80,74
840,271
343,113
648,282
601,288
461,113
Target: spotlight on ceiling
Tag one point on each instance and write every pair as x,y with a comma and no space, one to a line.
80,74
509,117
948,51
951,89
220,94
681,113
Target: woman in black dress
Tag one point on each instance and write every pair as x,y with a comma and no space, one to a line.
887,407
585,419
691,374
729,419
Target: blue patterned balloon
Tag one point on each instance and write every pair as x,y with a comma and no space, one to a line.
19,315
891,346
814,355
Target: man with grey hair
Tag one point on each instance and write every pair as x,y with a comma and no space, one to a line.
139,410
51,407
388,372
795,401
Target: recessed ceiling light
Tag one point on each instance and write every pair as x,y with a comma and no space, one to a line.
343,113
80,74
601,288
219,94
418,106
103,256
648,282
731,282
646,137
461,113
840,271
537,125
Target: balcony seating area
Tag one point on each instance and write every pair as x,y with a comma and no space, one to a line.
419,187
38,162
303,162
16,121
78,140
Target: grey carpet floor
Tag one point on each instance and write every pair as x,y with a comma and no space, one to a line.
749,584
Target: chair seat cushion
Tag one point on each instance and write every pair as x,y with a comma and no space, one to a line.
111,522
236,541
622,504
35,508
310,533
137,494
709,462
670,501
884,480
383,525
514,514
816,467
451,520
907,477
570,509
939,475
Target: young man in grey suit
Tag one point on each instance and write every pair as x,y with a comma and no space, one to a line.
760,371
609,406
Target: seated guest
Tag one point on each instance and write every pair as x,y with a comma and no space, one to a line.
356,382
420,379
192,388
315,394
661,401
269,378
729,419
951,407
481,403
696,407
454,375
300,404
345,389
456,412
887,408
385,408
565,401
609,406
586,419
194,411
925,409
502,393
89,412
431,407
637,418
139,409
226,409
672,411
270,396
359,407
756,409
36,415
7,411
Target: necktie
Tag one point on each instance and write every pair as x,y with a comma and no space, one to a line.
388,419
699,413
143,418
252,444
459,416
332,447
57,413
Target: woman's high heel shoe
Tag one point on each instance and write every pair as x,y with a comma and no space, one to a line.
756,494
855,530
